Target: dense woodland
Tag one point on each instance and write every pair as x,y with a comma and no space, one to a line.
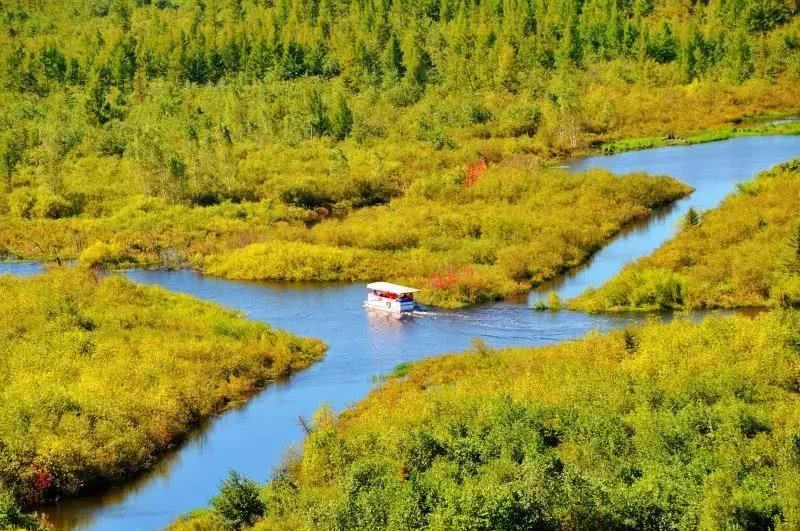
98,376
746,252
167,132
661,426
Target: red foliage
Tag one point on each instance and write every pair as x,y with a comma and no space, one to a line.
450,279
43,481
474,172
443,281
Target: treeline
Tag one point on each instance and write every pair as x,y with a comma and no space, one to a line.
182,91
378,43
661,426
745,253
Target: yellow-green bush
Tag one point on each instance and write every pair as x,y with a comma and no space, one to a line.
98,376
663,426
746,252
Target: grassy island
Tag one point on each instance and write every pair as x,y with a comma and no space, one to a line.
745,253
98,376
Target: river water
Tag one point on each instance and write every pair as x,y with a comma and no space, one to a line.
253,438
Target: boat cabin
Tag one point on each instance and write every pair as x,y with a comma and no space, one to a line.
389,297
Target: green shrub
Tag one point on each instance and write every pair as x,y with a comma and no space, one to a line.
238,502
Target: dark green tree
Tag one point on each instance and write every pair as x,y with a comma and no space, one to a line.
123,63
238,502
692,218
319,121
11,514
97,105
342,120
393,66
54,64
663,46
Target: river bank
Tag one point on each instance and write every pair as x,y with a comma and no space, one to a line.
253,439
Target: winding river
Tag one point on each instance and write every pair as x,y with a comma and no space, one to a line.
253,438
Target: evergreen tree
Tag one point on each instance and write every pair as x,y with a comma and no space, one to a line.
692,218
54,64
570,50
97,105
292,64
417,63
319,122
238,502
342,120
393,66
123,63
12,147
740,58
663,46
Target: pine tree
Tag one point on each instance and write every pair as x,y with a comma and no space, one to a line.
342,121
97,104
740,58
319,122
393,66
692,218
123,63
570,50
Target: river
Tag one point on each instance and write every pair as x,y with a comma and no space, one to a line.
253,438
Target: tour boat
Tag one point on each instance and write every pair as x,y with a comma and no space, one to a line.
391,298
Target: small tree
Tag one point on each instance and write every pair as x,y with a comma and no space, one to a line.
12,147
320,124
793,262
393,66
238,501
97,104
692,218
11,514
342,122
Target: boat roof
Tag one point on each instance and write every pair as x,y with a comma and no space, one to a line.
391,288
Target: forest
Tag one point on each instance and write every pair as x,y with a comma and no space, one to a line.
679,425
99,377
745,253
203,133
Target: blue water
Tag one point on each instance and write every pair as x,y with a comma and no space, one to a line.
363,345
21,269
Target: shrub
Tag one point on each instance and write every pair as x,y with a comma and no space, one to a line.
21,203
12,516
520,120
238,502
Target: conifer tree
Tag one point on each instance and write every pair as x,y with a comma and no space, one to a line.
342,121
97,105
393,66
319,121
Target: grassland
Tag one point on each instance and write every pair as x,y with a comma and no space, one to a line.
662,426
744,253
99,376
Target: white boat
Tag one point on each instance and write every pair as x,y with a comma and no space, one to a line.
392,298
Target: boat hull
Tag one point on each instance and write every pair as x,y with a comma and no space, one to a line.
391,306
